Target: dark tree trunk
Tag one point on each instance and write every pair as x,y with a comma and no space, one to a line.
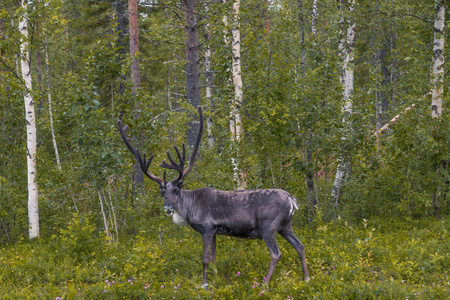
138,178
384,93
121,28
39,64
134,43
119,7
192,70
2,84
309,169
209,79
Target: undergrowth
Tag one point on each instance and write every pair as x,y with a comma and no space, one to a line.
369,259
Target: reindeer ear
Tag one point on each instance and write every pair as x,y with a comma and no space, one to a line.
180,183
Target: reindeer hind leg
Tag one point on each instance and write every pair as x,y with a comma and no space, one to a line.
288,234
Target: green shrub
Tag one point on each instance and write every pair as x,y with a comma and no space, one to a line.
80,239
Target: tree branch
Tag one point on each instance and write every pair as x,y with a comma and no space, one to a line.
395,119
10,69
394,15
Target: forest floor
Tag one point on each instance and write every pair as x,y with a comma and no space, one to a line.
370,259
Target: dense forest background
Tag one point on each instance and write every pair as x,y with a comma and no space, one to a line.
333,101
294,136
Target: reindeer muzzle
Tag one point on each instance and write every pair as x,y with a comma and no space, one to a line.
169,210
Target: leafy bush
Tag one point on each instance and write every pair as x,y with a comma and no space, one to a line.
410,176
80,239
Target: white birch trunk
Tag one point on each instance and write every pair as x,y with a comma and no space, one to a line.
114,219
438,60
105,219
346,49
437,79
50,109
225,23
237,78
33,208
314,19
236,118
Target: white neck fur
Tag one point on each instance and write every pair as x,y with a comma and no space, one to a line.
179,220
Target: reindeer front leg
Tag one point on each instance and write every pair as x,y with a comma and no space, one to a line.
271,242
209,249
213,249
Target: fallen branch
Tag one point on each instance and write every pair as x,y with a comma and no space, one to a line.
394,119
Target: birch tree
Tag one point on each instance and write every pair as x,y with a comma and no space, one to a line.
236,118
437,79
49,99
50,108
33,207
346,50
314,19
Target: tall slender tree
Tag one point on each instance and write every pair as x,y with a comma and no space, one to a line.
314,19
133,21
134,43
437,80
121,28
346,49
49,95
237,131
209,78
310,197
38,51
33,200
192,69
438,59
50,105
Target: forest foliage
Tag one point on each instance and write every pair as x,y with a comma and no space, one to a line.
292,119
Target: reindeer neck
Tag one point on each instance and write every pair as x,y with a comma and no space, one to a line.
185,202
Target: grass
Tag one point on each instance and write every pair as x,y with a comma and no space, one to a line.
369,259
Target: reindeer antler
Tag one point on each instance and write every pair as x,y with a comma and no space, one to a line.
180,167
142,161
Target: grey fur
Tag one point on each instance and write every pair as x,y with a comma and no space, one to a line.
251,214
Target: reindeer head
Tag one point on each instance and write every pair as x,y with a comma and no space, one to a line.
171,198
169,190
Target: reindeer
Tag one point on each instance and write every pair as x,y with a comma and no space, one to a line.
251,214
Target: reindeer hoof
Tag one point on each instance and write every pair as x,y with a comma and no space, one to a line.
307,279
205,286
